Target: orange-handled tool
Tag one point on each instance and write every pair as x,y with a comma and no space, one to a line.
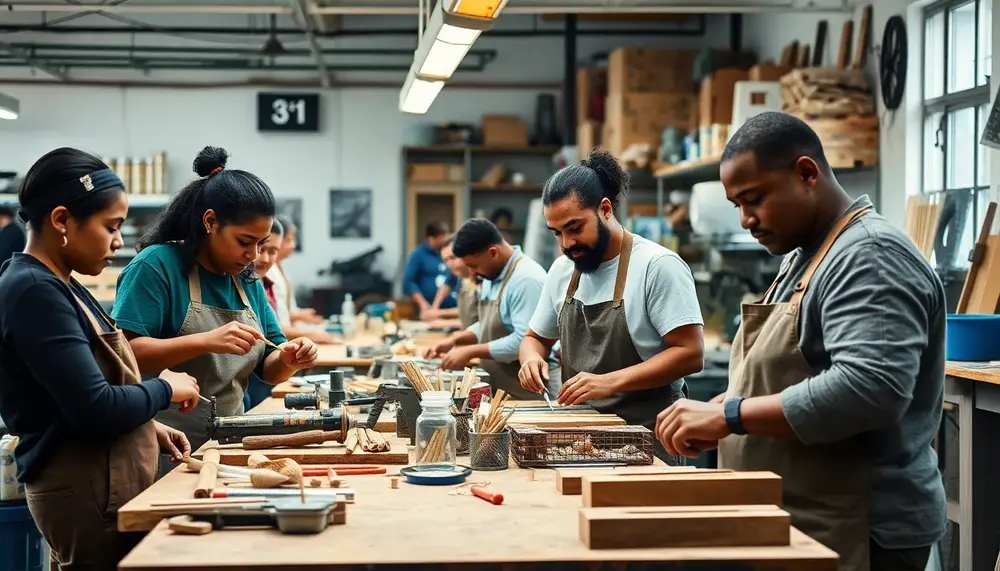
495,499
356,471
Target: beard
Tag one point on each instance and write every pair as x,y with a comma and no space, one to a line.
591,257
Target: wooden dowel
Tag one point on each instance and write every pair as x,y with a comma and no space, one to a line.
208,474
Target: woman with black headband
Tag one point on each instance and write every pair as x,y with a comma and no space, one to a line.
190,301
69,385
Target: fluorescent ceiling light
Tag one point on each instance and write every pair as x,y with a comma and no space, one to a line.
449,36
418,93
9,107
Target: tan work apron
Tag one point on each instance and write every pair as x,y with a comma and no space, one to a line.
468,303
826,486
595,339
502,375
220,375
75,498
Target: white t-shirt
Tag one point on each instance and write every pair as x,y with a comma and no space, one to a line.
283,313
659,295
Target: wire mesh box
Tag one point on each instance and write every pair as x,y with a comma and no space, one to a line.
535,447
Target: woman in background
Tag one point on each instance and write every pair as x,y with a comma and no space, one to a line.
189,299
69,385
287,310
257,390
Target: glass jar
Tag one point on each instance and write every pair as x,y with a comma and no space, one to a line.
436,434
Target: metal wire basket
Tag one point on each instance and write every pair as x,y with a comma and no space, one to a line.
489,450
536,447
462,426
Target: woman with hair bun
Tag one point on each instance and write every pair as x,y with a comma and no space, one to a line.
69,385
189,300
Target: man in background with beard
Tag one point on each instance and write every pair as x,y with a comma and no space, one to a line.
623,308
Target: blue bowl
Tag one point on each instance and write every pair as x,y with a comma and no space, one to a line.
972,337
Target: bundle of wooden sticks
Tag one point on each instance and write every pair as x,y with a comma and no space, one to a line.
460,389
417,377
436,447
369,440
492,419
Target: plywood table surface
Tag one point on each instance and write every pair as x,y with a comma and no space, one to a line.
430,526
984,372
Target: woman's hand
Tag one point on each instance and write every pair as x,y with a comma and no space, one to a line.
233,338
185,388
298,353
172,442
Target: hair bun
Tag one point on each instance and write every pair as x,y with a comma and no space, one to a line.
614,179
209,159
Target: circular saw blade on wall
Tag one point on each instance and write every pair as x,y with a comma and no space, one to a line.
893,62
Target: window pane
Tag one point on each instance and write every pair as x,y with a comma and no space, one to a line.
933,154
960,148
934,56
985,41
983,152
962,48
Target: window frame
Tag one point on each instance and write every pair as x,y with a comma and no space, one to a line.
948,103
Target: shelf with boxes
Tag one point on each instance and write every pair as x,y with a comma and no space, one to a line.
495,179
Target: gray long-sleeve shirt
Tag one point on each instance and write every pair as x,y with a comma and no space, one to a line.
872,328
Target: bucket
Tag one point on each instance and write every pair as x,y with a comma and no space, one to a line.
20,540
972,337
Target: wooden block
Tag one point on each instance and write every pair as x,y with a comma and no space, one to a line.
327,453
682,489
702,526
569,481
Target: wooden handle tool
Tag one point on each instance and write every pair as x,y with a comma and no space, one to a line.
291,440
495,499
185,525
356,471
208,474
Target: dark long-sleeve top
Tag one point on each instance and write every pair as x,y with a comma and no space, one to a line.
51,387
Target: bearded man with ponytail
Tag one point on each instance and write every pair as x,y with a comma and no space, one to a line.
189,300
623,308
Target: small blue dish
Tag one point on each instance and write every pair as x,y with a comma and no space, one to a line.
972,337
435,477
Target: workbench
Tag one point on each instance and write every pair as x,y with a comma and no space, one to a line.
970,464
419,527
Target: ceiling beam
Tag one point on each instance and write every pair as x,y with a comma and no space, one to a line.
301,9
26,56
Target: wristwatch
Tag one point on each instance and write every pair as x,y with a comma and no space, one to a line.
732,411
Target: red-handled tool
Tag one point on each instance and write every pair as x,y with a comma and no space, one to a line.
495,499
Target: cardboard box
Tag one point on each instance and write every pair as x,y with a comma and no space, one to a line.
504,131
640,118
588,136
716,96
650,70
436,172
591,90
767,72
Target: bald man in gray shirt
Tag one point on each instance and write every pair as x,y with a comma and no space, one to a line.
837,375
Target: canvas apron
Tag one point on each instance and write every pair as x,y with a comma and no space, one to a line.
595,339
219,375
502,375
826,486
75,499
468,303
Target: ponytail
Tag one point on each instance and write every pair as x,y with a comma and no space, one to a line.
598,176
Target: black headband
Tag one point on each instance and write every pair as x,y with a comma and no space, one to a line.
69,192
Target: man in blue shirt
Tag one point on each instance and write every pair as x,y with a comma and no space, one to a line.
426,271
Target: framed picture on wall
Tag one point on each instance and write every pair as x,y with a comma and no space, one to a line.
292,208
350,213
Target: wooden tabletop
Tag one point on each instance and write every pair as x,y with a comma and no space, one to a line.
428,525
982,371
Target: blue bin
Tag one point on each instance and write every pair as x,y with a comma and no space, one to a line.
20,540
972,337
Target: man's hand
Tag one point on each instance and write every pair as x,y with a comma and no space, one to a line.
689,427
440,349
172,442
584,387
456,359
719,398
533,375
298,353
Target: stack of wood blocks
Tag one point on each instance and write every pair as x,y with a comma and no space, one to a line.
627,508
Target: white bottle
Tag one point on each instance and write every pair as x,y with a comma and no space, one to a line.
10,488
347,313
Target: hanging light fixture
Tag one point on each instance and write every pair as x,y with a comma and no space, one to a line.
418,93
9,107
453,27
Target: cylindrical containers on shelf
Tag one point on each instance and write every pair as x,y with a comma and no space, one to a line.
159,185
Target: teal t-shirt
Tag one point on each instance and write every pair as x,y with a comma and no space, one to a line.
153,296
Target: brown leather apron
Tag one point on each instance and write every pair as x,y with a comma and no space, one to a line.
468,303
220,375
595,339
75,499
826,486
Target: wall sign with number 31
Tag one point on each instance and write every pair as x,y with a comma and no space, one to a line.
287,112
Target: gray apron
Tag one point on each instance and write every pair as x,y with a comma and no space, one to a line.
826,486
468,303
502,375
595,339
223,376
